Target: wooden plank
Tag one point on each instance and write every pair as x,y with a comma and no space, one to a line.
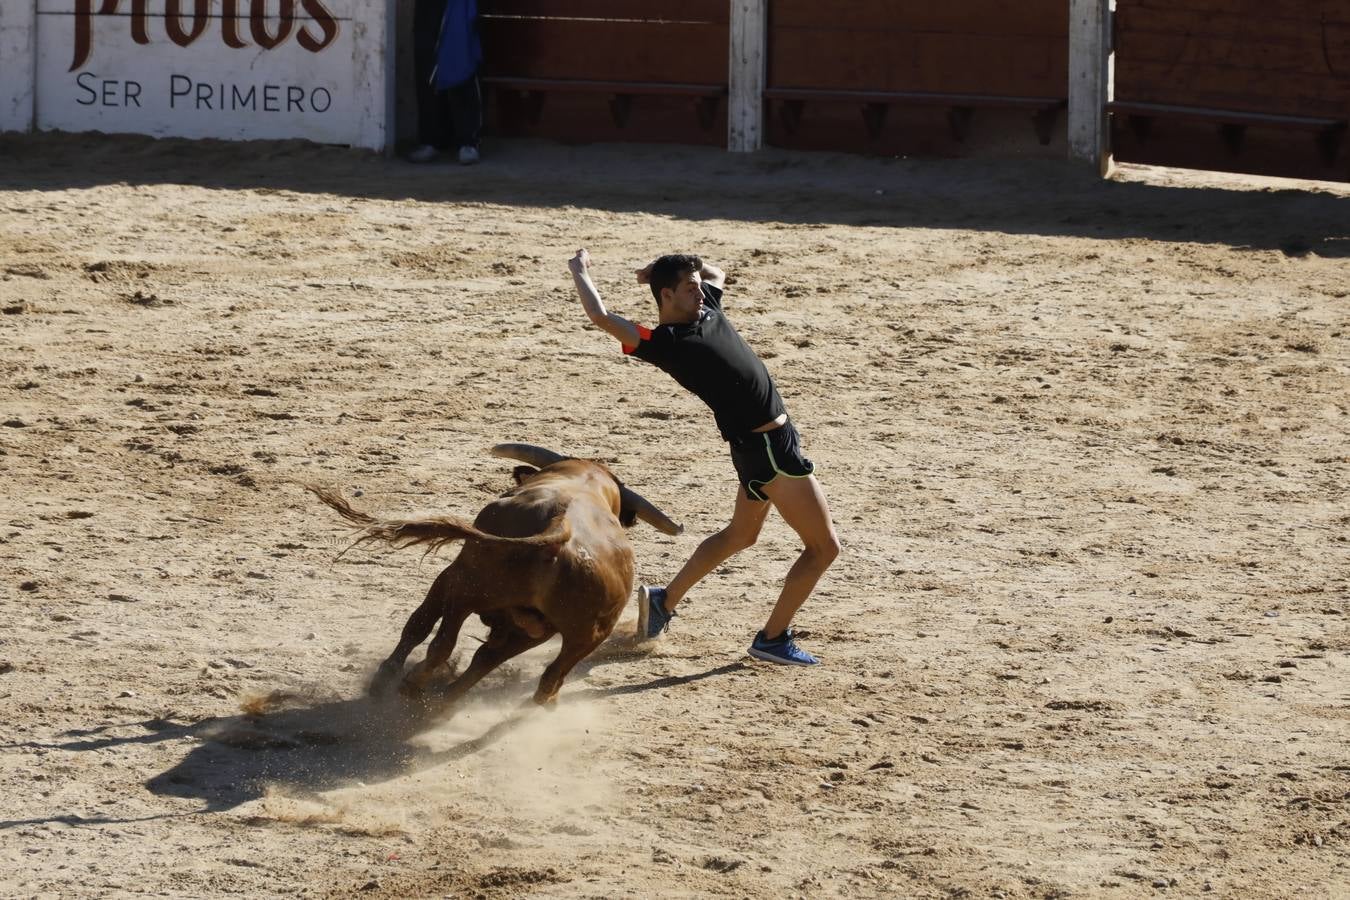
604,51
1219,76
1254,63
803,60
996,65
907,130
1309,10
1276,60
1293,154
909,62
1279,66
1229,87
574,85
915,98
1259,30
714,11
589,117
1007,17
1224,116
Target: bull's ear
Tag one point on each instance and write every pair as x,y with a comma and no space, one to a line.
522,473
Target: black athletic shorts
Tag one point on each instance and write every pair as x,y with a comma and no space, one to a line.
760,457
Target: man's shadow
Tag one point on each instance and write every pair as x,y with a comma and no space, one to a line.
301,747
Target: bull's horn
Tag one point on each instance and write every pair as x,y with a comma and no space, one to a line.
641,506
528,453
649,513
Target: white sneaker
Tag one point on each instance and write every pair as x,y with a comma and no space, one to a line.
423,153
468,155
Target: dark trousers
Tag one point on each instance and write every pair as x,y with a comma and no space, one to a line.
450,118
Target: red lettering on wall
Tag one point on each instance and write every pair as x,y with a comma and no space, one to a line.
173,25
84,26
324,19
257,23
139,33
229,25
318,13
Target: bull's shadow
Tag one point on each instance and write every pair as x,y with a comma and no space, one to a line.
303,747
301,750
300,747
305,750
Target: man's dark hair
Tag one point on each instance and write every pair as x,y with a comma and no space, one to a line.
669,271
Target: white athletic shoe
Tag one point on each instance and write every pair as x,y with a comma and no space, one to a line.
468,155
423,153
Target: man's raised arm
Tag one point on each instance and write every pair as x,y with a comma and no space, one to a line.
621,328
710,274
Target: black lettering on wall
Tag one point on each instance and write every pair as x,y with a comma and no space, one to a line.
244,101
93,94
179,86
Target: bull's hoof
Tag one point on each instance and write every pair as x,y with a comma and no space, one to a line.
410,690
383,680
414,683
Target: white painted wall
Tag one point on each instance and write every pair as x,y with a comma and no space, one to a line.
338,90
17,47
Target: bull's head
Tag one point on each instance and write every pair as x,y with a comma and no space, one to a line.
631,503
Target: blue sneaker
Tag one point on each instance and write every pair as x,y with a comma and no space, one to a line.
782,649
652,616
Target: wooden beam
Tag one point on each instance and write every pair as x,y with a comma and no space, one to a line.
1089,81
746,75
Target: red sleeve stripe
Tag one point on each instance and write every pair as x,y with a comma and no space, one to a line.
644,334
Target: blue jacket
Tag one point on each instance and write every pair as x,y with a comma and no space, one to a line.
458,52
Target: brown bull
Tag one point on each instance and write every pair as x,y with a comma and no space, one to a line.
549,557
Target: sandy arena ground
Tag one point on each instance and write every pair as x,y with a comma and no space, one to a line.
1087,445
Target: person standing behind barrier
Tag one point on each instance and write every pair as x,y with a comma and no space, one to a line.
446,54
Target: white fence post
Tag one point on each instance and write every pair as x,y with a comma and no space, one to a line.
376,64
1089,81
18,61
746,71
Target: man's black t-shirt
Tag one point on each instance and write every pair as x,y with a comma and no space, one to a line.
710,359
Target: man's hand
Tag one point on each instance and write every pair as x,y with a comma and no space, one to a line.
644,274
578,264
713,275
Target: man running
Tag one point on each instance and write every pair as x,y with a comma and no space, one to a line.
695,344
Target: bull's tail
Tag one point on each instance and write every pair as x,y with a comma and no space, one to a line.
431,532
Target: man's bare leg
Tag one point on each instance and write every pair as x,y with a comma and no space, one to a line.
802,505
746,521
